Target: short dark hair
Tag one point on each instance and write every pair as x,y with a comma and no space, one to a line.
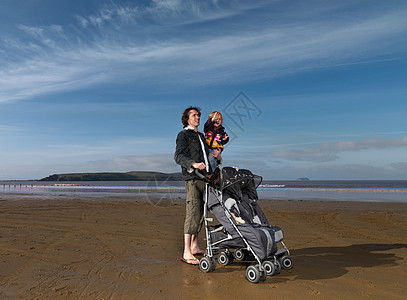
185,115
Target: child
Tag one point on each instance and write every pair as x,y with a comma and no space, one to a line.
215,135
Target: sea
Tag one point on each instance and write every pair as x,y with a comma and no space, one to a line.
323,190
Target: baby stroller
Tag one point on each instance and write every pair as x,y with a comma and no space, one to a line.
244,233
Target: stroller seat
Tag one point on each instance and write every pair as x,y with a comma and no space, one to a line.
243,225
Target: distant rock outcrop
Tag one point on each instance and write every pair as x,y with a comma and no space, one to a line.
303,179
107,176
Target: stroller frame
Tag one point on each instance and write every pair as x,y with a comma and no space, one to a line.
254,273
229,216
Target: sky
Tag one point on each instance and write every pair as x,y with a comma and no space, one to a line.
311,89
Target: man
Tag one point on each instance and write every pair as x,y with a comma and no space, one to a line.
192,153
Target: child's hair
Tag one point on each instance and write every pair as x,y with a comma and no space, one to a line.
213,113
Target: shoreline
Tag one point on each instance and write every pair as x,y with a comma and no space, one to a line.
175,190
112,248
172,198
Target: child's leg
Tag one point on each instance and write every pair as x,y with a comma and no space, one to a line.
213,162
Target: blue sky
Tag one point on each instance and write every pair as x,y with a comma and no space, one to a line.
308,88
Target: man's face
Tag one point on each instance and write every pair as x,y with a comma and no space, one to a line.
193,118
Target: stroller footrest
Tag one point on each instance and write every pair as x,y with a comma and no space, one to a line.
280,252
209,219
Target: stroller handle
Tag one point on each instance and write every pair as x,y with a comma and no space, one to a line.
203,177
212,179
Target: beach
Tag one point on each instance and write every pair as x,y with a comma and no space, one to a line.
122,248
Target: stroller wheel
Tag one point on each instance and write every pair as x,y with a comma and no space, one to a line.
286,262
231,257
224,259
240,254
253,274
269,267
205,264
213,263
263,274
277,266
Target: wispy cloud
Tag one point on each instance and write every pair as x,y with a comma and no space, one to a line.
123,43
34,169
330,151
109,15
158,163
8,128
338,172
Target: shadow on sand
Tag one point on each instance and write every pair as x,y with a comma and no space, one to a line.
332,262
316,263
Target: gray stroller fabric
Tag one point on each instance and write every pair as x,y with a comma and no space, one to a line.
255,209
256,230
258,240
224,240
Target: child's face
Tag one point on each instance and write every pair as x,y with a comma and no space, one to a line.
217,122
217,119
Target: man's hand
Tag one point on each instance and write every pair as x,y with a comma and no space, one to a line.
199,166
216,153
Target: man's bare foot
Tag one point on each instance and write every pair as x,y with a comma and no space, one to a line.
191,261
198,251
188,255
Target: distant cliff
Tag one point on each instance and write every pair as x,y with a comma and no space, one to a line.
107,176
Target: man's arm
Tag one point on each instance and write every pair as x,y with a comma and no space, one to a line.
181,155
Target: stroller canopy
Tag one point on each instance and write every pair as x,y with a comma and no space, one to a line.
238,182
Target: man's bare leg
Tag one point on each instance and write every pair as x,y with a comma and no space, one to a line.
194,245
191,246
187,246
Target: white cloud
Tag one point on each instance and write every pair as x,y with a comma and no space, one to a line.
159,163
79,158
339,172
331,151
189,11
51,62
399,168
8,128
165,163
109,15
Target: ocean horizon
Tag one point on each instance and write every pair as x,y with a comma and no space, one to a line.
322,190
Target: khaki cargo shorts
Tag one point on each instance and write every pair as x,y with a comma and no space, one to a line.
194,206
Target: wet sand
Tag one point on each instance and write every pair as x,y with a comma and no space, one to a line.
109,249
